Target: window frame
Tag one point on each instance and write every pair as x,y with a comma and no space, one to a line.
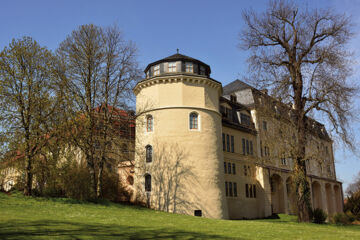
156,70
148,153
147,184
194,121
189,66
172,66
149,123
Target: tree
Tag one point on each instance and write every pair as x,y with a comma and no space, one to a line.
300,55
30,96
102,69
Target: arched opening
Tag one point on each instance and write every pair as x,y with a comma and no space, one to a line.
149,123
316,195
277,194
291,197
338,199
194,121
147,182
329,198
148,153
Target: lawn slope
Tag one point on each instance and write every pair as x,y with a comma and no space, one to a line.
39,218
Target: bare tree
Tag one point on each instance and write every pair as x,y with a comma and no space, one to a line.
102,69
300,55
30,97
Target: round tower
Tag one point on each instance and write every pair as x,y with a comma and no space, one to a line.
179,159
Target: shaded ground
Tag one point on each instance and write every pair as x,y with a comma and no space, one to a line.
39,218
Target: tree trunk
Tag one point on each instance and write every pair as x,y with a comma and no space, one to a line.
28,176
301,183
91,168
100,180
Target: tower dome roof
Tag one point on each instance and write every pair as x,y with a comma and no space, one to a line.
183,59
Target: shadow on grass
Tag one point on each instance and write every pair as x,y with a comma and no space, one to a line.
77,230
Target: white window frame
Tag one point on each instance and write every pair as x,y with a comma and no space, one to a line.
157,70
189,67
172,67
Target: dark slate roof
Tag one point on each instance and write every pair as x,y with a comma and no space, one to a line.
235,86
178,57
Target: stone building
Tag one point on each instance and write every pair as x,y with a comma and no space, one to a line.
221,152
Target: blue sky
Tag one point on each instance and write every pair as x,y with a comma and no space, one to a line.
206,30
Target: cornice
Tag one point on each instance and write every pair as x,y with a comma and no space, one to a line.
190,78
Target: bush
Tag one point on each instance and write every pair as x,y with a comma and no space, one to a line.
343,218
353,204
319,216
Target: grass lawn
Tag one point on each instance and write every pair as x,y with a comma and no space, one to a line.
39,218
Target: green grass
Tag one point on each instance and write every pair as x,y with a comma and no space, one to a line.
39,218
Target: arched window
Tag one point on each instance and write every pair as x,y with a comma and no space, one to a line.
149,123
148,183
148,153
194,121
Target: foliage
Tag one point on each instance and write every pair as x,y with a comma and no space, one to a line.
319,216
101,70
61,218
343,218
353,204
31,92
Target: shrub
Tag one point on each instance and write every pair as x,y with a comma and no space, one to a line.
343,218
353,204
319,216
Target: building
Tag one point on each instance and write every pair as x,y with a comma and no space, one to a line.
221,152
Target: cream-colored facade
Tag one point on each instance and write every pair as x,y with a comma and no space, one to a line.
202,149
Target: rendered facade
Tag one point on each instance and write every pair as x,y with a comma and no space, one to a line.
221,152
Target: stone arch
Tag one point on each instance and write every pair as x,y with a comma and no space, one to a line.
316,195
277,194
338,199
329,198
291,198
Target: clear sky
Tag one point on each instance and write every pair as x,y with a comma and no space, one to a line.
206,30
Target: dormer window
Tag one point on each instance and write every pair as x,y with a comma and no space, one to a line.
202,70
233,98
157,70
245,119
147,74
189,67
172,66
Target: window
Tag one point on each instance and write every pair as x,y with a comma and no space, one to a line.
251,148
202,70
229,168
265,125
261,149
148,183
235,189
233,169
233,98
189,67
227,142
156,70
247,147
197,213
232,144
226,189
245,170
148,153
172,67
250,190
245,119
147,74
193,120
230,189
223,140
225,167
243,146
149,123
283,159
